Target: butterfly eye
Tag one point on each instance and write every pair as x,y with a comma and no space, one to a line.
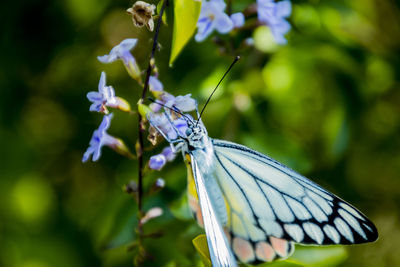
189,131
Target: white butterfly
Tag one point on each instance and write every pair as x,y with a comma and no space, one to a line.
264,206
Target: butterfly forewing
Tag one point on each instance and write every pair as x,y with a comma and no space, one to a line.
220,252
267,199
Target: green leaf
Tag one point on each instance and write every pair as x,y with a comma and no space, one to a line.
312,257
286,263
186,14
319,256
200,243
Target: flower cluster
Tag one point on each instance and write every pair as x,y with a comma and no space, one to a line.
104,98
273,14
122,52
270,13
170,126
212,17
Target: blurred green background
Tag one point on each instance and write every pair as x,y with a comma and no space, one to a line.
327,105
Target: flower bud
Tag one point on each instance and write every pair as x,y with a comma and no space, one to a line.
143,109
119,146
120,104
151,214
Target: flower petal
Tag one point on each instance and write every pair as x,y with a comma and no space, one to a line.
168,153
237,19
155,107
109,95
99,138
102,81
223,24
181,125
127,44
94,96
155,84
118,51
96,153
96,106
279,30
185,103
87,154
156,162
204,29
218,5
106,122
107,58
283,9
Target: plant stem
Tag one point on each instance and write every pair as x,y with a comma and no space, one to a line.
229,7
140,148
140,118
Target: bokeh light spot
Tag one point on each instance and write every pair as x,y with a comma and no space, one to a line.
34,263
278,76
263,40
33,198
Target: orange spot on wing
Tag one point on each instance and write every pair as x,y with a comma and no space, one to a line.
265,252
199,218
280,246
193,204
243,249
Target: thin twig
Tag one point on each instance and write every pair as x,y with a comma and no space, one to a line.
145,89
229,8
140,149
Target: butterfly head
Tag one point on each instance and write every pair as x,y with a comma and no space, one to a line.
195,130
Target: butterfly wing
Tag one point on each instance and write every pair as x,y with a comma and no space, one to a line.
270,206
220,252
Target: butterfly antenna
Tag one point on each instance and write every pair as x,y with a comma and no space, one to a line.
173,109
215,89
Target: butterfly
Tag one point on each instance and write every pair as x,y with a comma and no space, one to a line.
252,207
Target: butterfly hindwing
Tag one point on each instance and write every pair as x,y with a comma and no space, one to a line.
268,200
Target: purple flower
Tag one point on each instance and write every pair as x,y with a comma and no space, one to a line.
168,153
104,97
160,183
157,162
212,17
273,14
160,121
122,51
181,125
183,103
99,139
155,107
155,84
237,19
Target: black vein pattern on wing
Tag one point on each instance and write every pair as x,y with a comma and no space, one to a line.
253,243
368,228
297,177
